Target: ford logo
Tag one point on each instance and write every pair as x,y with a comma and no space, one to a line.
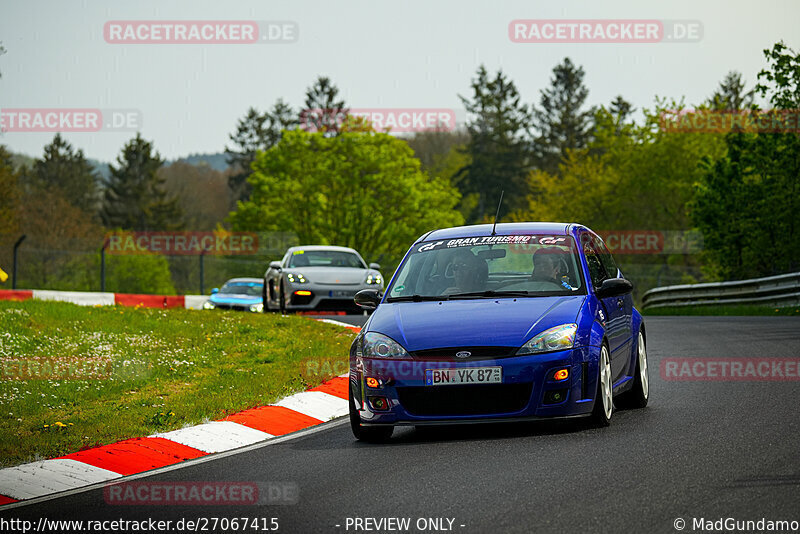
463,354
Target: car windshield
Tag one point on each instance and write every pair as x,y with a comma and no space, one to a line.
251,289
483,267
325,258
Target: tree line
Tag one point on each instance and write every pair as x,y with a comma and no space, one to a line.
345,183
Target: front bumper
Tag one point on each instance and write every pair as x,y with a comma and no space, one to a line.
527,391
326,296
235,306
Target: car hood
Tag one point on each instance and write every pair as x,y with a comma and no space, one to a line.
226,298
480,322
332,275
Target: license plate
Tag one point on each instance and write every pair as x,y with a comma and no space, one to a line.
468,375
341,294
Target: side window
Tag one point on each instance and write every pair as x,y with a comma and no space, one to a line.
606,259
596,270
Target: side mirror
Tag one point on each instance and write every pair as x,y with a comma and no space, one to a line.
275,265
613,287
215,291
376,266
368,298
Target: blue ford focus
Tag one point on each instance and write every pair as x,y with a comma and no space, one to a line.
510,322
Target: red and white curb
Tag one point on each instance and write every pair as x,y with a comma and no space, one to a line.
88,298
131,456
290,414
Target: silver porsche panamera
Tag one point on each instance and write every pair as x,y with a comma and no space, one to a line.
317,277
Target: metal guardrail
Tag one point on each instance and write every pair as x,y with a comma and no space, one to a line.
782,290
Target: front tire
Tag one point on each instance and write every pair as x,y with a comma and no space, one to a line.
282,300
370,434
604,398
639,394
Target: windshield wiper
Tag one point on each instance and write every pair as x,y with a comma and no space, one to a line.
490,294
416,298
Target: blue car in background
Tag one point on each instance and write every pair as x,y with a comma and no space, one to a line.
510,322
241,294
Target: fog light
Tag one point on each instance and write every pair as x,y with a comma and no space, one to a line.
555,396
303,293
373,383
379,404
561,374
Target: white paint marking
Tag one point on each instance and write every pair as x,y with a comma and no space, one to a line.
317,404
216,436
40,478
181,465
194,302
81,298
338,323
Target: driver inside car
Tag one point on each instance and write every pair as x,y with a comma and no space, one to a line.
550,270
469,273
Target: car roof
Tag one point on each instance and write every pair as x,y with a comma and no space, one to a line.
482,230
245,280
323,247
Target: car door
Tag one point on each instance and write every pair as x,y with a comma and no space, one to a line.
624,305
617,320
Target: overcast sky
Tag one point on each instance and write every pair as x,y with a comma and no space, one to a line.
413,54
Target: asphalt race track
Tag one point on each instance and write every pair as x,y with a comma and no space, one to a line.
700,450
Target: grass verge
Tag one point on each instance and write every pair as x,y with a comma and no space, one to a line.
75,377
723,310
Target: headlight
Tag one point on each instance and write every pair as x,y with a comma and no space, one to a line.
208,305
375,345
258,308
296,278
557,338
374,279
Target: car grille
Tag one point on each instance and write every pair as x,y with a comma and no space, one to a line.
477,353
472,399
230,307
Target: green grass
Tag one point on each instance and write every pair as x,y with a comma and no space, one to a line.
136,371
723,310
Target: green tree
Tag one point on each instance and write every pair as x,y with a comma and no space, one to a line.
66,170
202,193
621,109
746,204
139,274
254,132
324,111
498,154
431,146
9,194
361,189
781,81
731,94
629,177
561,121
135,197
443,154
